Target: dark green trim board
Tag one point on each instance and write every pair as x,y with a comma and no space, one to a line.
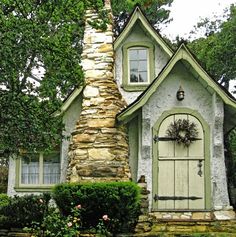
150,60
183,55
207,147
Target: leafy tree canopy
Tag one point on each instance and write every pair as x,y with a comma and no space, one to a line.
38,36
217,51
41,44
155,11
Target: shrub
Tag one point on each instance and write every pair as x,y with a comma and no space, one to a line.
55,224
119,201
4,200
3,178
22,211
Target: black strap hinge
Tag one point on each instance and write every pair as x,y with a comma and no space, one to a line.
166,198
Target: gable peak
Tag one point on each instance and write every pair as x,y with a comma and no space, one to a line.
138,15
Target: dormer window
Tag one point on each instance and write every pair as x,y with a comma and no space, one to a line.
138,65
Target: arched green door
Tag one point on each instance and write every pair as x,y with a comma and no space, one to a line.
180,170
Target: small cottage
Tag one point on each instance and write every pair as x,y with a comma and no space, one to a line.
145,111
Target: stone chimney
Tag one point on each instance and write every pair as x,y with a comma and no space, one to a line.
98,150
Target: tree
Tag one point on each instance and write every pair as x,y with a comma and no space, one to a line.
230,145
43,37
38,35
217,51
154,10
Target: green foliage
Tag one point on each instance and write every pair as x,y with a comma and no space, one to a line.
217,51
118,200
4,200
154,10
44,37
55,224
232,150
230,145
4,175
22,211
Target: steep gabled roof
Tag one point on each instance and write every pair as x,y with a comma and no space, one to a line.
183,55
138,15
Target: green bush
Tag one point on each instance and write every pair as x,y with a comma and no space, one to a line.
119,201
22,211
4,200
55,224
3,178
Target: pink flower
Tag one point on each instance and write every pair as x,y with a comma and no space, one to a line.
78,206
69,224
105,218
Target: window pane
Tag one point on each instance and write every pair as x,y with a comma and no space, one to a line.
143,66
51,168
142,54
133,77
142,76
133,66
133,54
30,169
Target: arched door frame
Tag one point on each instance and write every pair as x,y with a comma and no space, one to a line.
206,131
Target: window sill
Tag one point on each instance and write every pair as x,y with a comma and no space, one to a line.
34,188
135,87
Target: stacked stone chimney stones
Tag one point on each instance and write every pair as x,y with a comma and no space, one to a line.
98,150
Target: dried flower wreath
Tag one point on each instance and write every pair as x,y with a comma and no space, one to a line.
183,132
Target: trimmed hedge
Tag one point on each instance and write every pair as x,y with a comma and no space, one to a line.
119,200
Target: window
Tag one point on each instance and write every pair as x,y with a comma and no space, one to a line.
138,70
51,169
39,169
138,65
30,169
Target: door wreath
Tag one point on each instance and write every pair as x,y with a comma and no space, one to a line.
183,132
